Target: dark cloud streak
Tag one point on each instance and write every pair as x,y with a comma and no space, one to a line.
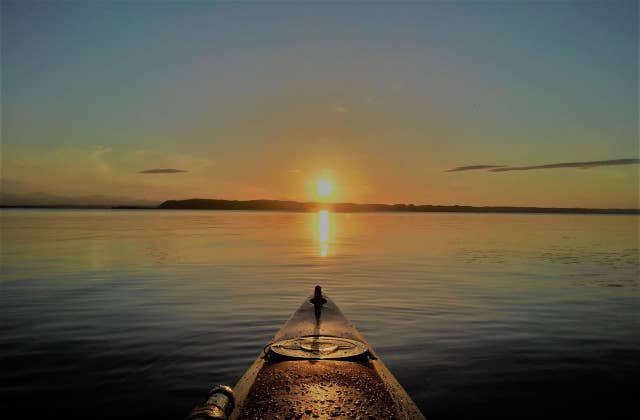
473,167
162,171
580,165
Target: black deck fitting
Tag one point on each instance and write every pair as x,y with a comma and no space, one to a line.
317,299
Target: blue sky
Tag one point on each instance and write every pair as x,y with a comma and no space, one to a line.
255,100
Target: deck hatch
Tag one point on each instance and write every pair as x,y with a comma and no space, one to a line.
319,347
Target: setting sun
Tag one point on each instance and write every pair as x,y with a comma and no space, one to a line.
324,188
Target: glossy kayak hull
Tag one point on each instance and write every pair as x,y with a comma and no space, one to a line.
319,366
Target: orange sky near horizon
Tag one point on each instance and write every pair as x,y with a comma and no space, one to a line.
382,99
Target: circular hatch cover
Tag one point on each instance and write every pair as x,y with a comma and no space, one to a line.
319,347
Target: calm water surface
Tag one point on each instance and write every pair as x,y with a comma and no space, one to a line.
126,314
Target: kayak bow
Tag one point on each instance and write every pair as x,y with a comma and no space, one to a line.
317,366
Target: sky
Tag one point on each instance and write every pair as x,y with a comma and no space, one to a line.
531,103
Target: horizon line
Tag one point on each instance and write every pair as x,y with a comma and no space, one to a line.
121,205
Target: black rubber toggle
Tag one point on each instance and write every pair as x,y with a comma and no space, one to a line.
317,299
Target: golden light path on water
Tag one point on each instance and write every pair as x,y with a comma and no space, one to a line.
324,228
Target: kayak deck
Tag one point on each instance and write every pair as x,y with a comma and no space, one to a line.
317,366
323,389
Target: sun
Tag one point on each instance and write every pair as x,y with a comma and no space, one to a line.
324,188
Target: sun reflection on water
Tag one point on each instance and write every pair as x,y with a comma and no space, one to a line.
324,228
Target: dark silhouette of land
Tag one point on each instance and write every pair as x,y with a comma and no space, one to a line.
296,206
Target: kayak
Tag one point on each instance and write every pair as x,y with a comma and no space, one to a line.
317,366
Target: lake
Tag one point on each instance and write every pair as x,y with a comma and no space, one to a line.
136,313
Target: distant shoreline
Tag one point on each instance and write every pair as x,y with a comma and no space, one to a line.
306,207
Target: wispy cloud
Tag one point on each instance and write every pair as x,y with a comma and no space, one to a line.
95,157
99,151
340,108
580,165
162,171
473,167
